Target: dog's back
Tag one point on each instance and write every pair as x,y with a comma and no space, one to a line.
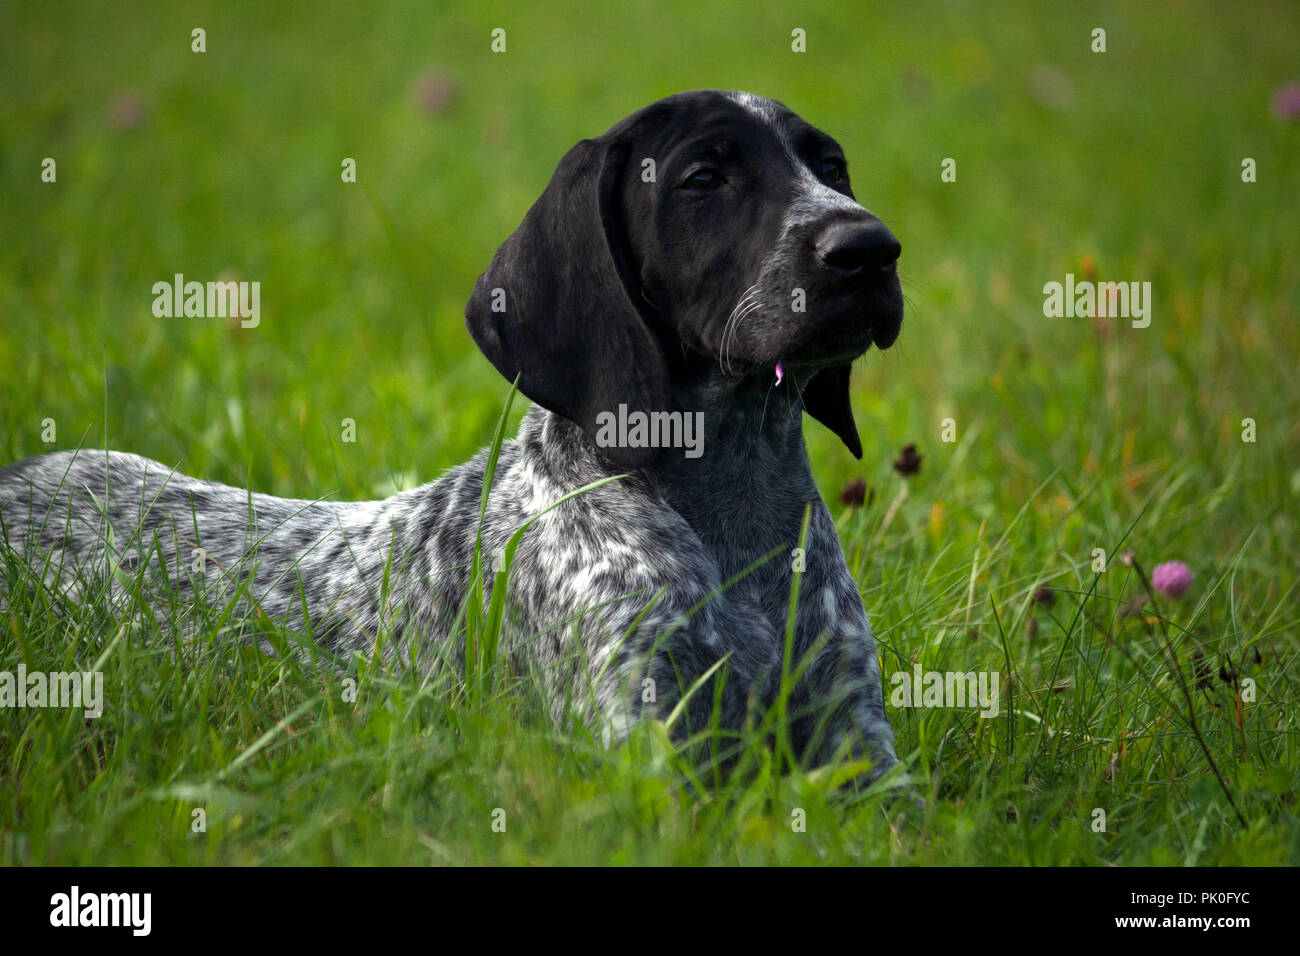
86,521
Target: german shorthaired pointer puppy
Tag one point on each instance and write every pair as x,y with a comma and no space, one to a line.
699,276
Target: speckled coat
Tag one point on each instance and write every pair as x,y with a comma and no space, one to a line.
624,596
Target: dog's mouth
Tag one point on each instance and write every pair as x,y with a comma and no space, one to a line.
884,332
843,342
842,333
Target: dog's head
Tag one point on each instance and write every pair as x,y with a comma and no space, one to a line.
707,227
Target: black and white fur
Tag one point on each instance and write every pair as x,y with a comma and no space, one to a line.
672,291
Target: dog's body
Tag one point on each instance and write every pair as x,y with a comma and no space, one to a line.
671,293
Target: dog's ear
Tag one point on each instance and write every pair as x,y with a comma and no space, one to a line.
557,308
826,398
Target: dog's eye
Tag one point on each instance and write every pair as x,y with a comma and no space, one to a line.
703,179
833,171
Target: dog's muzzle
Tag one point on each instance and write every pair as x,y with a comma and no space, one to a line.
861,256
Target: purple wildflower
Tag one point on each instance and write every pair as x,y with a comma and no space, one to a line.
1172,579
1286,102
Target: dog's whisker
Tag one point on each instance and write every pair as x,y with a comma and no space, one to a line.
728,325
735,325
762,419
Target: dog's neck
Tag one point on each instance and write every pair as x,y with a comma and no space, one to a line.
745,485
746,491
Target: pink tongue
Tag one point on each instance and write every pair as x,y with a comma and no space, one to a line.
779,373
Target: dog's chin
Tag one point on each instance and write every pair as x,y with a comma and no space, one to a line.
843,346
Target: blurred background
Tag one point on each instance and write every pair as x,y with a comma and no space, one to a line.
1123,165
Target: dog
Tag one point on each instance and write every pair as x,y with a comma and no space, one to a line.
686,287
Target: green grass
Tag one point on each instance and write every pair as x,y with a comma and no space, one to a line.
1071,435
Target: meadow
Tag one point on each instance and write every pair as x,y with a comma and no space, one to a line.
1061,459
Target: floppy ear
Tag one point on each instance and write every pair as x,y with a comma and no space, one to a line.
826,398
555,308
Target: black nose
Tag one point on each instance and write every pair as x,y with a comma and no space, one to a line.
857,248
